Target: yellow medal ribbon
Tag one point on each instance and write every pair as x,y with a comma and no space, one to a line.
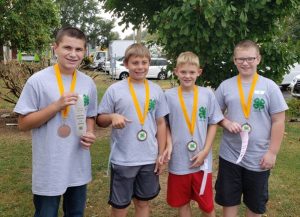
60,84
246,107
190,122
141,117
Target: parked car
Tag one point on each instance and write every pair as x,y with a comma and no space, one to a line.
288,77
157,69
295,86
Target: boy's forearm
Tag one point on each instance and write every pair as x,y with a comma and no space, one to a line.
169,137
211,133
161,135
90,124
277,132
104,120
38,118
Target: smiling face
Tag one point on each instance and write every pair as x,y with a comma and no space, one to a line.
138,68
187,74
246,61
70,52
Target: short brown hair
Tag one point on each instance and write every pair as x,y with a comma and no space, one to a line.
246,44
137,50
71,32
187,57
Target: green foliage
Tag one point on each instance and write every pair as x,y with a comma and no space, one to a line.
294,108
13,76
212,28
84,15
27,25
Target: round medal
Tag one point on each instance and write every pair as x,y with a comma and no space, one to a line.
142,135
64,131
192,146
246,128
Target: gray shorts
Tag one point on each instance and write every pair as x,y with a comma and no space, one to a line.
129,182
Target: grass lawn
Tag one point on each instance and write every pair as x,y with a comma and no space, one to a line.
15,170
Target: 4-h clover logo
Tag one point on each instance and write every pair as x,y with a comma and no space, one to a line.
86,100
259,103
202,113
152,103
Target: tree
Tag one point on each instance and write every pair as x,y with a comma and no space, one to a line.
84,15
27,25
211,28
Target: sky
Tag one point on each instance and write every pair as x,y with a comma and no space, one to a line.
117,28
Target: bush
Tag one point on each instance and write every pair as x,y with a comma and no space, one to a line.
13,76
294,108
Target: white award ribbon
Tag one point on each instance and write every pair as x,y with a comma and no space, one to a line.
80,116
245,138
204,179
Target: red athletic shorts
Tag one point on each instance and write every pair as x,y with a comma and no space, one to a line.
184,188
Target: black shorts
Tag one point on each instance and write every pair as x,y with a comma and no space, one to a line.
129,182
233,181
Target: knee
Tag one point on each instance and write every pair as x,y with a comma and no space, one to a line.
139,204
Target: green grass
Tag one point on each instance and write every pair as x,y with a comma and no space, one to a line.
15,179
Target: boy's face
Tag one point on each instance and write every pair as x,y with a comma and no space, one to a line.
246,60
187,75
70,52
138,68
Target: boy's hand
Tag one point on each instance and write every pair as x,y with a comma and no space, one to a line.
87,140
268,160
65,100
198,159
166,156
233,127
119,121
159,167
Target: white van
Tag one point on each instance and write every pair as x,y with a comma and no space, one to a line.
288,77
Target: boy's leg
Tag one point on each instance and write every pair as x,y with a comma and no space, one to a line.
249,213
146,187
46,206
74,201
255,192
230,211
185,210
142,208
121,188
205,201
229,187
118,212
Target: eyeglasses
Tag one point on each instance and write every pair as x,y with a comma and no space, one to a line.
247,59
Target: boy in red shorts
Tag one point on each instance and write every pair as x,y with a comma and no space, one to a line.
194,115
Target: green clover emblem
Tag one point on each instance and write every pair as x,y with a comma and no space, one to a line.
86,100
152,104
202,113
259,103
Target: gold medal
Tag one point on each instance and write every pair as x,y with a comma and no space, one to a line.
192,146
142,135
64,131
246,128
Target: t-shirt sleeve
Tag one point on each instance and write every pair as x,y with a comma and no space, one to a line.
277,101
162,105
92,108
28,101
215,113
106,105
219,97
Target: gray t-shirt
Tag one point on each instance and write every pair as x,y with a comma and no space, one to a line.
208,112
267,100
126,150
57,163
